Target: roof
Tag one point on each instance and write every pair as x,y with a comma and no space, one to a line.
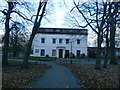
63,31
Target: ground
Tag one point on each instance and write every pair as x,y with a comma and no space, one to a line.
92,78
13,76
89,77
57,76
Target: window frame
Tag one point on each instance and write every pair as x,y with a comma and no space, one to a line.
60,41
67,42
42,53
42,40
77,52
54,53
78,41
54,40
36,50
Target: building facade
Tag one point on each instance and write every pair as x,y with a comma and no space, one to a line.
59,42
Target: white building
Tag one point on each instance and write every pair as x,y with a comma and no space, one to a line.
59,42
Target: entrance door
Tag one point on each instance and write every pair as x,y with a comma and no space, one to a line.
60,53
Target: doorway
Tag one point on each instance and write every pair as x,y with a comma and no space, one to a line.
60,53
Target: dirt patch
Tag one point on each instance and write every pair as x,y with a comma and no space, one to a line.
92,78
13,76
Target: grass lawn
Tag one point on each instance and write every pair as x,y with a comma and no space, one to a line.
36,58
13,76
91,78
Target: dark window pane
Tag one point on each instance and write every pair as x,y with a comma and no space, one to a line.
67,41
54,40
53,52
78,41
78,52
36,50
66,53
42,52
42,40
60,40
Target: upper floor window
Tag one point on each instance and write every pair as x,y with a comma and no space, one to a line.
60,40
53,40
78,41
42,40
67,41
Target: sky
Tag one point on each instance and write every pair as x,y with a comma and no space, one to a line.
59,9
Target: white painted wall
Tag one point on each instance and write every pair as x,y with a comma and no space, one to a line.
48,45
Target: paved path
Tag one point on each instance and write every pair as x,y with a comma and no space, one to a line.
56,77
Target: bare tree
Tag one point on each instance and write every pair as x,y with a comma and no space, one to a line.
94,16
40,13
113,19
7,13
100,18
18,38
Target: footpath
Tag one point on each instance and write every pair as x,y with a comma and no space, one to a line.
56,77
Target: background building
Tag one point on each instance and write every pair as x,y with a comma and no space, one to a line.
59,42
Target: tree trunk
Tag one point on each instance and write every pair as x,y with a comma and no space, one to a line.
6,36
98,61
112,43
112,22
107,51
107,47
29,44
34,30
6,44
28,48
6,41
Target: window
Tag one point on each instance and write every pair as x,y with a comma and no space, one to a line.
42,40
78,52
67,41
60,40
78,41
53,52
66,53
36,50
42,52
53,40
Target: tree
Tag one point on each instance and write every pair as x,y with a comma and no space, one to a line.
98,16
113,16
7,13
95,19
18,38
40,13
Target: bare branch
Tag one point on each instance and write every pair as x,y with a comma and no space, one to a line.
19,13
85,18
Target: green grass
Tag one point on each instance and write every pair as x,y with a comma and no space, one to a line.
36,58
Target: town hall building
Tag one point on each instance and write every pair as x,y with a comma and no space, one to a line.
59,42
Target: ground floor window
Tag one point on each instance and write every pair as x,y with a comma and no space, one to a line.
66,53
36,50
42,52
78,53
53,52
